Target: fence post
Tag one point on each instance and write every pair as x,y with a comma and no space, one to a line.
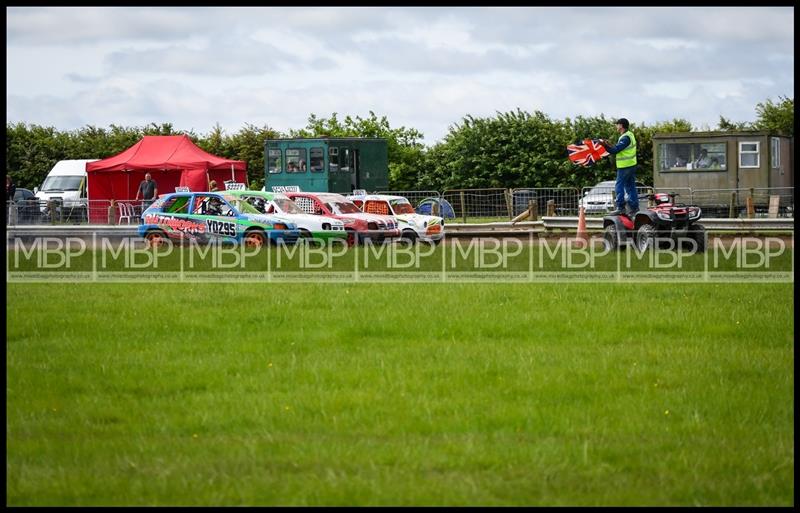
774,206
751,209
533,208
463,206
732,212
51,207
551,208
509,195
112,212
12,212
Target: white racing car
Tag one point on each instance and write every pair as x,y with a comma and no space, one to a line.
412,226
281,206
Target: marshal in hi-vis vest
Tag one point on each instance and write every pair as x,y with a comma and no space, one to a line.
627,157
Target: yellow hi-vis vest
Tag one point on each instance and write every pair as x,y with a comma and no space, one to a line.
627,157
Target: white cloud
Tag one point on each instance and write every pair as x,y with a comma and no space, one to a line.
666,43
424,68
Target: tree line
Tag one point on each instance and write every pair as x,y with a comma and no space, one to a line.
509,149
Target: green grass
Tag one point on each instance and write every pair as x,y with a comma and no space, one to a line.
421,394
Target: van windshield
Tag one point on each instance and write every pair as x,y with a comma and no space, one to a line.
62,183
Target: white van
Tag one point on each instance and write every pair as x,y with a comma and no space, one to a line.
67,182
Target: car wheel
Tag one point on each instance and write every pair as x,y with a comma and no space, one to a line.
255,239
611,237
645,237
155,238
409,235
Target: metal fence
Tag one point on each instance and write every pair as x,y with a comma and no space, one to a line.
54,211
560,201
745,202
486,204
460,205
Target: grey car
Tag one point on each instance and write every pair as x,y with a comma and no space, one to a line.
600,199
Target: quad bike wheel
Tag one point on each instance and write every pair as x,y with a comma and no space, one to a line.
645,237
611,237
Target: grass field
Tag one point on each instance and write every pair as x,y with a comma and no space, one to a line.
419,394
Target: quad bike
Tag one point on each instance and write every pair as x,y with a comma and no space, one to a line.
661,222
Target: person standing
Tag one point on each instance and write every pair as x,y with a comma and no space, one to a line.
148,189
11,189
625,150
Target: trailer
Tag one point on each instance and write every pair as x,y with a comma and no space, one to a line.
327,164
723,169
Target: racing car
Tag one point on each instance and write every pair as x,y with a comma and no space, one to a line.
279,205
412,226
359,225
210,217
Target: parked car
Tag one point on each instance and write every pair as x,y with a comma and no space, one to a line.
26,206
599,199
412,226
359,225
282,207
211,217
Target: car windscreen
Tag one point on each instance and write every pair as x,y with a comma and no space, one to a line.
243,206
62,183
341,207
402,207
602,189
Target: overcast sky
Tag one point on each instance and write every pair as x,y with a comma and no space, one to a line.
421,67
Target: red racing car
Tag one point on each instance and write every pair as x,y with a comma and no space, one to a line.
359,225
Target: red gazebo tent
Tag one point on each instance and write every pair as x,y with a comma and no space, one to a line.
172,160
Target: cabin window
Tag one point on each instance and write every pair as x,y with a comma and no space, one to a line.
333,160
692,156
344,159
748,154
775,152
296,160
274,161
317,161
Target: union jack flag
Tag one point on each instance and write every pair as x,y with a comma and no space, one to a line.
588,153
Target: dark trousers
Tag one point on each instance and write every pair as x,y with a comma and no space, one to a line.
626,185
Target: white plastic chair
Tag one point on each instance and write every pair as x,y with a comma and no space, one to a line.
125,212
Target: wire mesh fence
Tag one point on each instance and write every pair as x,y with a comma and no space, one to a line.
475,205
745,202
54,211
458,205
559,201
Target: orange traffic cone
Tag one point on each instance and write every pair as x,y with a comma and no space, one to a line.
582,236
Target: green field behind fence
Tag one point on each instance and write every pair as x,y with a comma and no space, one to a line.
421,394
